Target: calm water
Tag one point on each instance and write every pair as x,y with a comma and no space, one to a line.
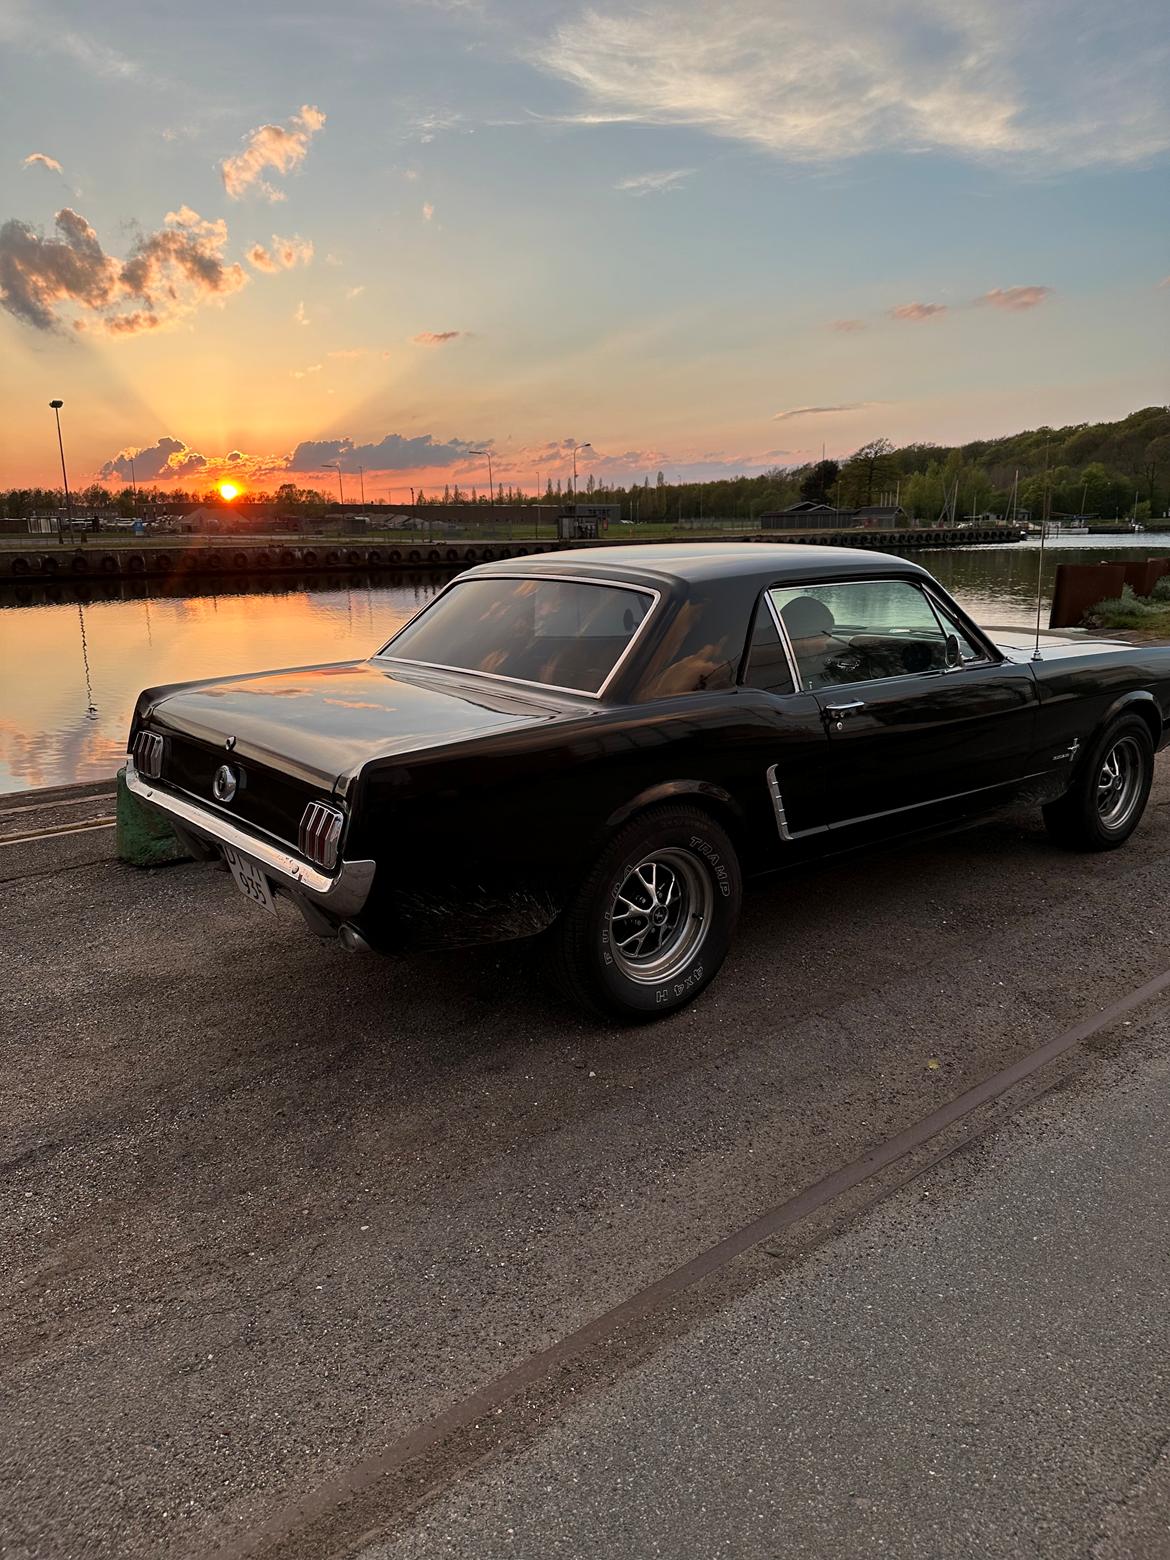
73,659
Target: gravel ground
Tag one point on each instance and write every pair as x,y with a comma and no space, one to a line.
269,1206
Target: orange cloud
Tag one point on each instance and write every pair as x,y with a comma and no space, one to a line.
849,327
167,274
1015,298
280,147
917,311
44,160
282,256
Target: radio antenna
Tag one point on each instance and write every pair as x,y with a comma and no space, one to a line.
1036,656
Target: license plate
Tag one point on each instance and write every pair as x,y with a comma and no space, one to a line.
250,881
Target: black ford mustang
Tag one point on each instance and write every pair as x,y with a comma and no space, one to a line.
597,745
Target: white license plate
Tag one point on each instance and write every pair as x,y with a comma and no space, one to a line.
250,881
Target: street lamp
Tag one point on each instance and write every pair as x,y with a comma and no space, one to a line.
491,484
576,447
331,466
57,405
362,483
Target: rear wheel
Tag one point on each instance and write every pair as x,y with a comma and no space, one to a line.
652,922
1105,803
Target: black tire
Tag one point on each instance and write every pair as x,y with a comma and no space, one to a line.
1107,798
683,843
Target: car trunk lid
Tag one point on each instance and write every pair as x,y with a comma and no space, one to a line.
293,736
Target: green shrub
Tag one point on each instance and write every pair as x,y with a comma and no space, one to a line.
1130,611
1162,589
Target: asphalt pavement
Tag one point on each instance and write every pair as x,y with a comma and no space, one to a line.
270,1207
980,1368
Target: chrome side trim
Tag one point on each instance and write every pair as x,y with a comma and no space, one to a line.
385,654
787,834
342,895
938,801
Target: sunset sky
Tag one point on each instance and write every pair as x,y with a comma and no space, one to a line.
705,237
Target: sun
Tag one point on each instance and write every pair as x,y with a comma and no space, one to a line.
229,490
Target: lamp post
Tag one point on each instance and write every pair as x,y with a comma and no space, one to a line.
57,405
576,447
491,483
331,466
362,483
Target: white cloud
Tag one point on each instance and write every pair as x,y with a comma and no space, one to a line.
355,292
280,147
428,211
299,314
43,160
654,183
816,80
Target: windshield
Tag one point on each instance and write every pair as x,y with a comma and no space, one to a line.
563,633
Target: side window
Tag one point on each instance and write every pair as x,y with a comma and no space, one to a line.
767,663
860,630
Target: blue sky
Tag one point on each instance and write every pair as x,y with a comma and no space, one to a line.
672,230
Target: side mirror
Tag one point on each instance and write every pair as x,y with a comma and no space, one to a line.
952,655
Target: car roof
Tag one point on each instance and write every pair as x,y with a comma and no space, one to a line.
672,563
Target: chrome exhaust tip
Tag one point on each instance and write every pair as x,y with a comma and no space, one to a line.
352,940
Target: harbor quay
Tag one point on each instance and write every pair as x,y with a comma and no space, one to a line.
120,556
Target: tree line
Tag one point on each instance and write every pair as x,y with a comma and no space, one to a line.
1098,470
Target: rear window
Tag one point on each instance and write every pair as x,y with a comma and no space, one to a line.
563,633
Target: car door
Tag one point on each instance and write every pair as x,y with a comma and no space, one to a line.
919,712
790,749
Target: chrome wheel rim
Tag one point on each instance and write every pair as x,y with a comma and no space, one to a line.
1119,783
659,917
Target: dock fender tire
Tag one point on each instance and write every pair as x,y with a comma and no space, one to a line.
676,864
1105,802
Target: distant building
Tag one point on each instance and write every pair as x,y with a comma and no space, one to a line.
810,515
585,522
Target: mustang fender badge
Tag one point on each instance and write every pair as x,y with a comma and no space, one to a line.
225,784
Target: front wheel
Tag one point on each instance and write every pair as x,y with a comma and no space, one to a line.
1105,802
652,922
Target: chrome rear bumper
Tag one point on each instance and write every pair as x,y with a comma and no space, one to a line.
341,894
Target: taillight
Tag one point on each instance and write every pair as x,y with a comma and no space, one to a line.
320,833
148,754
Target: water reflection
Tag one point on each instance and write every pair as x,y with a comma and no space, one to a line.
74,655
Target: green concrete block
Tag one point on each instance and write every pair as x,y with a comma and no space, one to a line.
144,837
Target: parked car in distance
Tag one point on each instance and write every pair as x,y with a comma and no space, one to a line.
596,746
